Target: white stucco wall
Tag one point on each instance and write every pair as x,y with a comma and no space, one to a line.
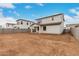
10,26
57,18
24,25
52,29
32,27
21,26
0,26
61,27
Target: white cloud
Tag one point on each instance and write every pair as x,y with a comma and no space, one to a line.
70,19
28,7
33,15
1,10
16,13
40,4
67,17
77,8
74,11
7,5
4,20
1,14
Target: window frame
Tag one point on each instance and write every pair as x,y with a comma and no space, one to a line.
52,18
38,28
27,23
21,22
44,28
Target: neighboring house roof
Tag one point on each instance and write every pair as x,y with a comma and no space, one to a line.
68,25
10,23
24,20
50,16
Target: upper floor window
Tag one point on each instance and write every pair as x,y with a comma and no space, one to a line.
27,23
52,18
21,22
39,21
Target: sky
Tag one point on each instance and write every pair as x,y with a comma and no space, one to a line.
10,12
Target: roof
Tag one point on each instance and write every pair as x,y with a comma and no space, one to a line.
34,24
72,24
57,23
50,16
24,20
11,23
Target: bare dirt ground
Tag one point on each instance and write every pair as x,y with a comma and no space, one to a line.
23,44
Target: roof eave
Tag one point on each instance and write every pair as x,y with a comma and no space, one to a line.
49,16
58,23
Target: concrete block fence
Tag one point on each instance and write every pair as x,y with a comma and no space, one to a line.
13,30
75,32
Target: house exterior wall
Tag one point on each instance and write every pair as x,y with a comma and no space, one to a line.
54,24
52,19
10,26
21,27
24,25
33,27
52,29
0,26
62,27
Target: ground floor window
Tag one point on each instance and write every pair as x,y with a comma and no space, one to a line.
44,28
38,28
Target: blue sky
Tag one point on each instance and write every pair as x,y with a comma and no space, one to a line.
31,11
36,10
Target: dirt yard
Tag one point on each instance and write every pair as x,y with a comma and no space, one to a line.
23,44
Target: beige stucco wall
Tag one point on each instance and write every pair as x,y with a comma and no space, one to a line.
10,26
57,18
24,25
52,29
32,27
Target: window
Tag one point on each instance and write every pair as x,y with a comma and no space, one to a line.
44,28
27,23
21,22
38,28
52,18
39,21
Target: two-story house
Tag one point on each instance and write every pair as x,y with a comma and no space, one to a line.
10,25
23,24
53,24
